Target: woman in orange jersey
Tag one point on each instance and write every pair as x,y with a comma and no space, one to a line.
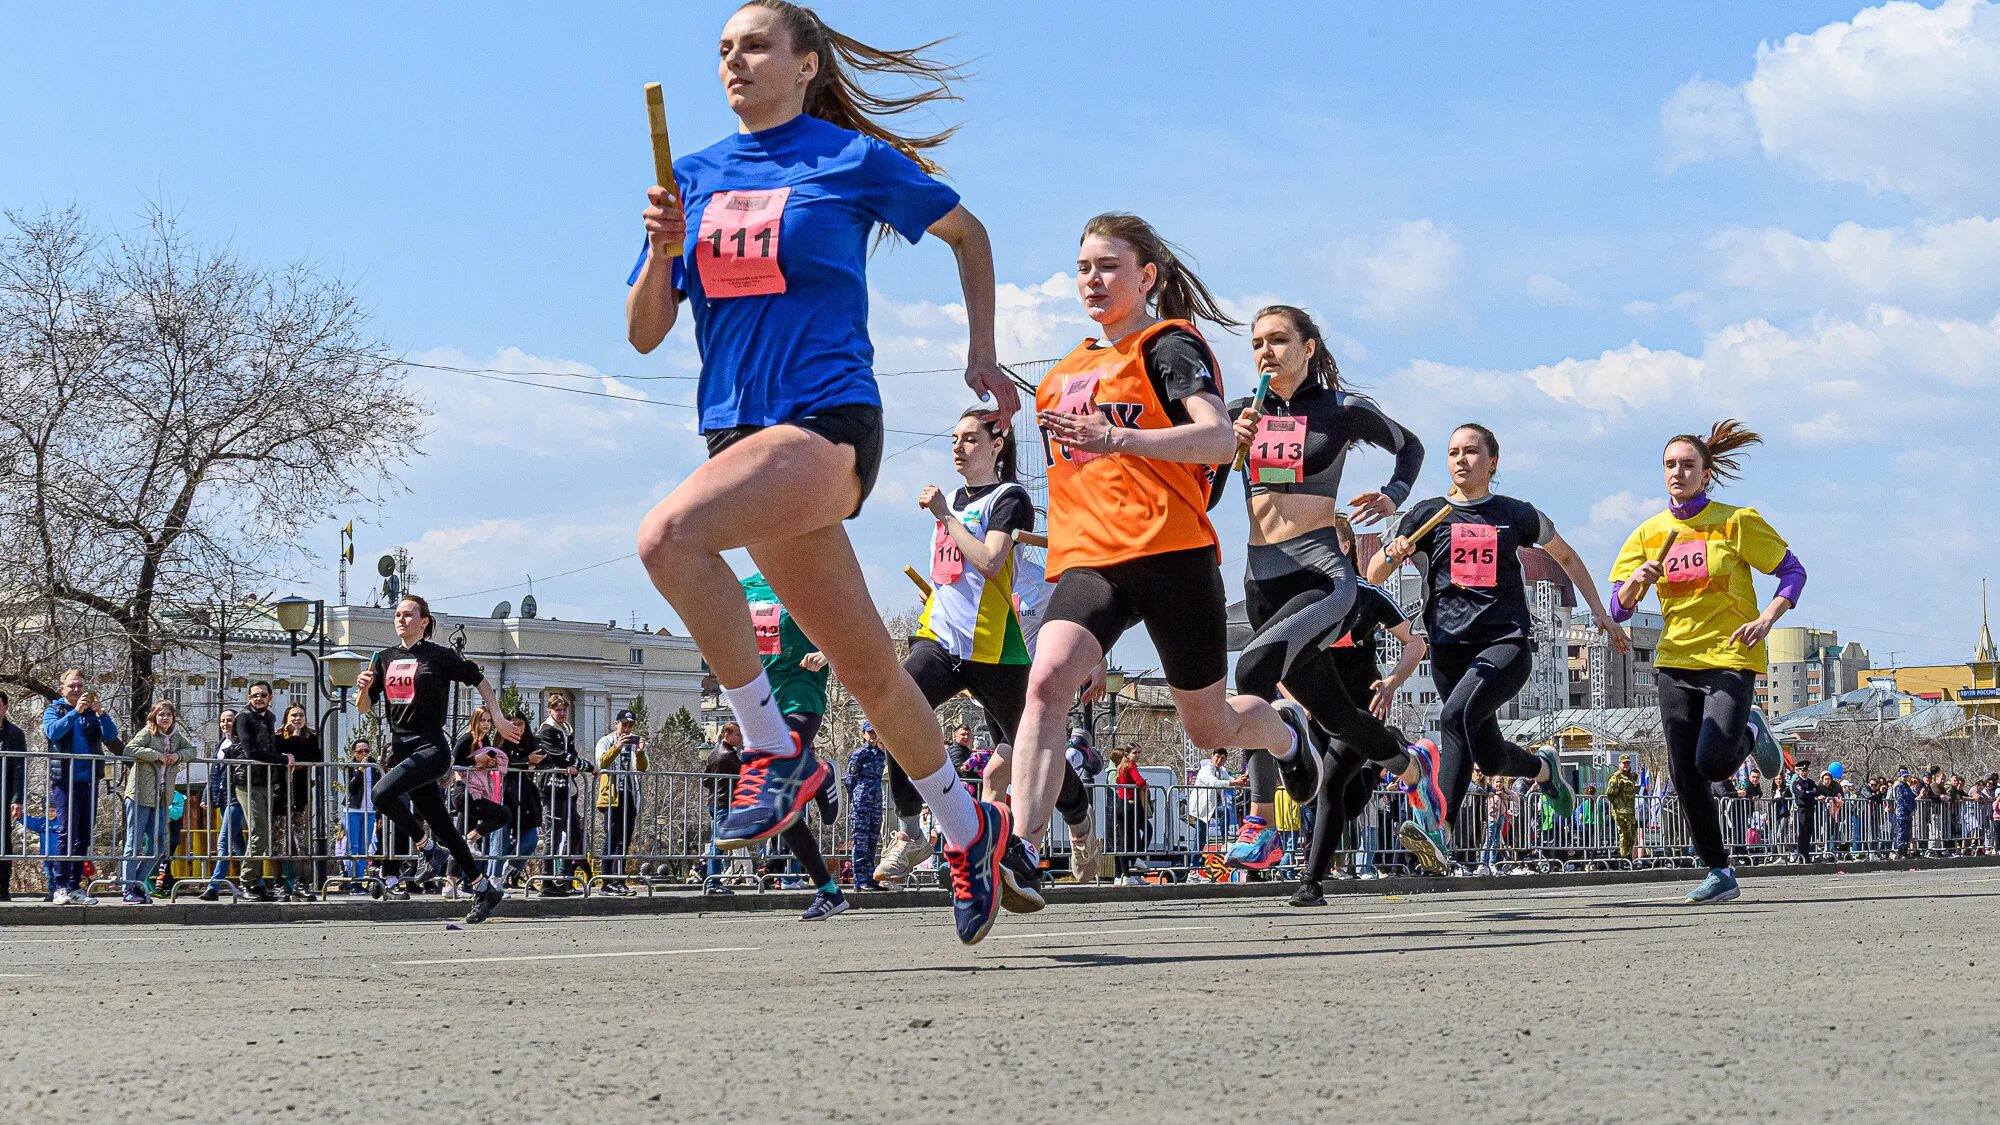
1136,436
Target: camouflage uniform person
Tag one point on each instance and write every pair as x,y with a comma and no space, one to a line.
1623,791
864,805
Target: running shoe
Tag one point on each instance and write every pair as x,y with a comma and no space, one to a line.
1720,886
1302,771
1256,847
396,892
418,869
210,893
1430,806
82,897
975,874
484,903
1556,790
1308,894
1021,878
772,793
136,898
1427,844
1086,857
902,858
824,906
1764,748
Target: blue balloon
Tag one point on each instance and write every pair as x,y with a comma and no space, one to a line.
1836,769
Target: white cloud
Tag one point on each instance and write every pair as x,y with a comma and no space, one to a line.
1827,428
1648,310
1704,120
1938,265
1409,270
1902,98
1612,517
516,392
1553,292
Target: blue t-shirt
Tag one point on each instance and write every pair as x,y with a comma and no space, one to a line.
773,357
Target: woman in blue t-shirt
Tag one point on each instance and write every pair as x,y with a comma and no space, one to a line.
775,224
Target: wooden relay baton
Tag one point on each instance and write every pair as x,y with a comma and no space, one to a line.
918,579
663,153
1428,524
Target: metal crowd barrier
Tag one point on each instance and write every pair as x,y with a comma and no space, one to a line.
311,830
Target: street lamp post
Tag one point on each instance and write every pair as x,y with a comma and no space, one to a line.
332,673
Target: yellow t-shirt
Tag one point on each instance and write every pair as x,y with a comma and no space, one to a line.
1706,594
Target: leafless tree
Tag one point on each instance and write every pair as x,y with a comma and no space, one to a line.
173,417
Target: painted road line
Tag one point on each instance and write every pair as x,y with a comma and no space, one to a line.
1095,931
581,956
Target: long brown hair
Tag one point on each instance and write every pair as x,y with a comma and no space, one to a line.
1003,462
1719,449
1178,294
837,96
1322,365
153,716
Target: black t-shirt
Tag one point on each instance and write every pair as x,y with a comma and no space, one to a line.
1358,647
1474,592
1180,366
416,683
1012,512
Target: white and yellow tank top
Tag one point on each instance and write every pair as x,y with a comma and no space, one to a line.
971,616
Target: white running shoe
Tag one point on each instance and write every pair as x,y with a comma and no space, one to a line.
903,857
64,897
84,898
1086,857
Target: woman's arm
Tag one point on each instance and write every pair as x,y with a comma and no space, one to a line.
986,555
1415,648
1207,438
653,304
966,236
504,727
1567,558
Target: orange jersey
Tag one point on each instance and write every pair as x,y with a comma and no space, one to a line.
1107,508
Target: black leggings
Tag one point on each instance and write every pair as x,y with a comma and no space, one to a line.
1002,692
1344,792
1705,716
1297,594
409,795
799,838
1475,681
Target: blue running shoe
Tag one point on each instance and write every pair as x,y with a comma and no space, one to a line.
1556,790
1021,878
824,906
1764,748
1256,847
975,874
772,793
1720,886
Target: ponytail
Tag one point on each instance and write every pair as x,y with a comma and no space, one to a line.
1719,449
837,96
1179,294
1322,365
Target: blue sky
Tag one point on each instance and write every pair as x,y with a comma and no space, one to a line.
1590,226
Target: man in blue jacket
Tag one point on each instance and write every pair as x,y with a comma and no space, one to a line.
13,791
76,731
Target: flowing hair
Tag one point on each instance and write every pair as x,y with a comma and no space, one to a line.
1719,450
836,94
1178,294
1322,365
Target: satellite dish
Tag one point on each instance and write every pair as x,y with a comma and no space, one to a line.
503,611
528,607
386,565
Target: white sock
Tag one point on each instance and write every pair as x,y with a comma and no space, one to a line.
1291,749
757,713
956,814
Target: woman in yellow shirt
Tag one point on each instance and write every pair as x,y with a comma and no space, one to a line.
1698,556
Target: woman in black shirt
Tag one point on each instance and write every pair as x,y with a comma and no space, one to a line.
1480,630
415,680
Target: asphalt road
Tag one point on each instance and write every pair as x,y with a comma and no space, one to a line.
1865,997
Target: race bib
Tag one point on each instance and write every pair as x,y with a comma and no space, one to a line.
765,619
1079,397
1686,561
1278,451
1475,555
737,252
947,561
1346,641
399,685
